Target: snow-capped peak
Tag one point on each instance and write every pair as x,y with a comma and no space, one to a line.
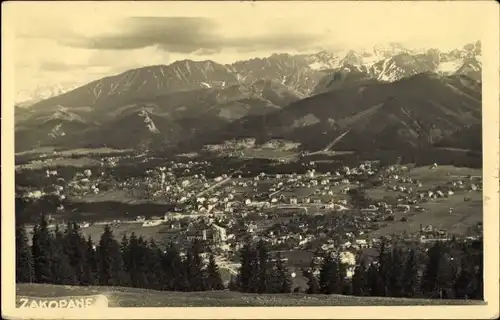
28,97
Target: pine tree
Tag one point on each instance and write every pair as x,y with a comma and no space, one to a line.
127,258
343,285
463,285
395,273
283,276
358,281
195,268
439,273
411,283
312,280
42,252
90,273
124,247
384,269
372,280
154,256
429,281
175,278
143,263
264,268
110,263
135,262
214,280
248,274
75,247
62,271
166,281
473,254
447,273
24,258
328,276
478,292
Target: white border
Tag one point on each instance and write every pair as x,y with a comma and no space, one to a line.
491,131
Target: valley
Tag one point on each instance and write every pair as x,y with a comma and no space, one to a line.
298,206
312,154
277,139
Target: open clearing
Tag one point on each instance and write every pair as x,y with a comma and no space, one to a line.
66,153
441,174
111,195
465,215
428,177
64,157
121,196
95,231
60,162
274,154
131,297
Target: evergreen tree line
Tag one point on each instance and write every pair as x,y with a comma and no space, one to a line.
260,272
446,270
67,258
451,270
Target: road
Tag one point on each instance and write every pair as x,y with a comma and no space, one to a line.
331,144
291,206
275,192
335,141
220,182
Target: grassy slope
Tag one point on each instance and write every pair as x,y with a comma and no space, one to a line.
465,215
129,297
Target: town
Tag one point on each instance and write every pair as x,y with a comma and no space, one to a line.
346,210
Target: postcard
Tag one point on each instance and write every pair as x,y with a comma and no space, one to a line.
250,159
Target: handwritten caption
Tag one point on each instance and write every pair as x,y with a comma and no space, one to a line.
63,302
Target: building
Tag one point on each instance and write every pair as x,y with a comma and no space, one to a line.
196,235
219,234
152,223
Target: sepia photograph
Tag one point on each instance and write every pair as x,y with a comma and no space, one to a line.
185,155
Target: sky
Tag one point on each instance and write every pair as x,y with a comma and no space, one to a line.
62,43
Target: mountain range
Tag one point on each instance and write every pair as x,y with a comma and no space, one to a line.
385,97
410,113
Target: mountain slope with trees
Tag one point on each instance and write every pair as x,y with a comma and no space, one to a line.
411,113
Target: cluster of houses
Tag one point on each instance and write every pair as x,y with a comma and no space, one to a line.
220,210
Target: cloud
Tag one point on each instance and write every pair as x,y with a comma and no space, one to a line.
56,66
188,35
59,42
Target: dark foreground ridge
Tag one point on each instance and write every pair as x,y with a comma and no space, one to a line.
133,297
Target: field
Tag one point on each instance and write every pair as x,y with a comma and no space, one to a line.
66,153
429,179
112,195
131,297
53,158
275,154
465,214
51,163
441,174
95,231
152,232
